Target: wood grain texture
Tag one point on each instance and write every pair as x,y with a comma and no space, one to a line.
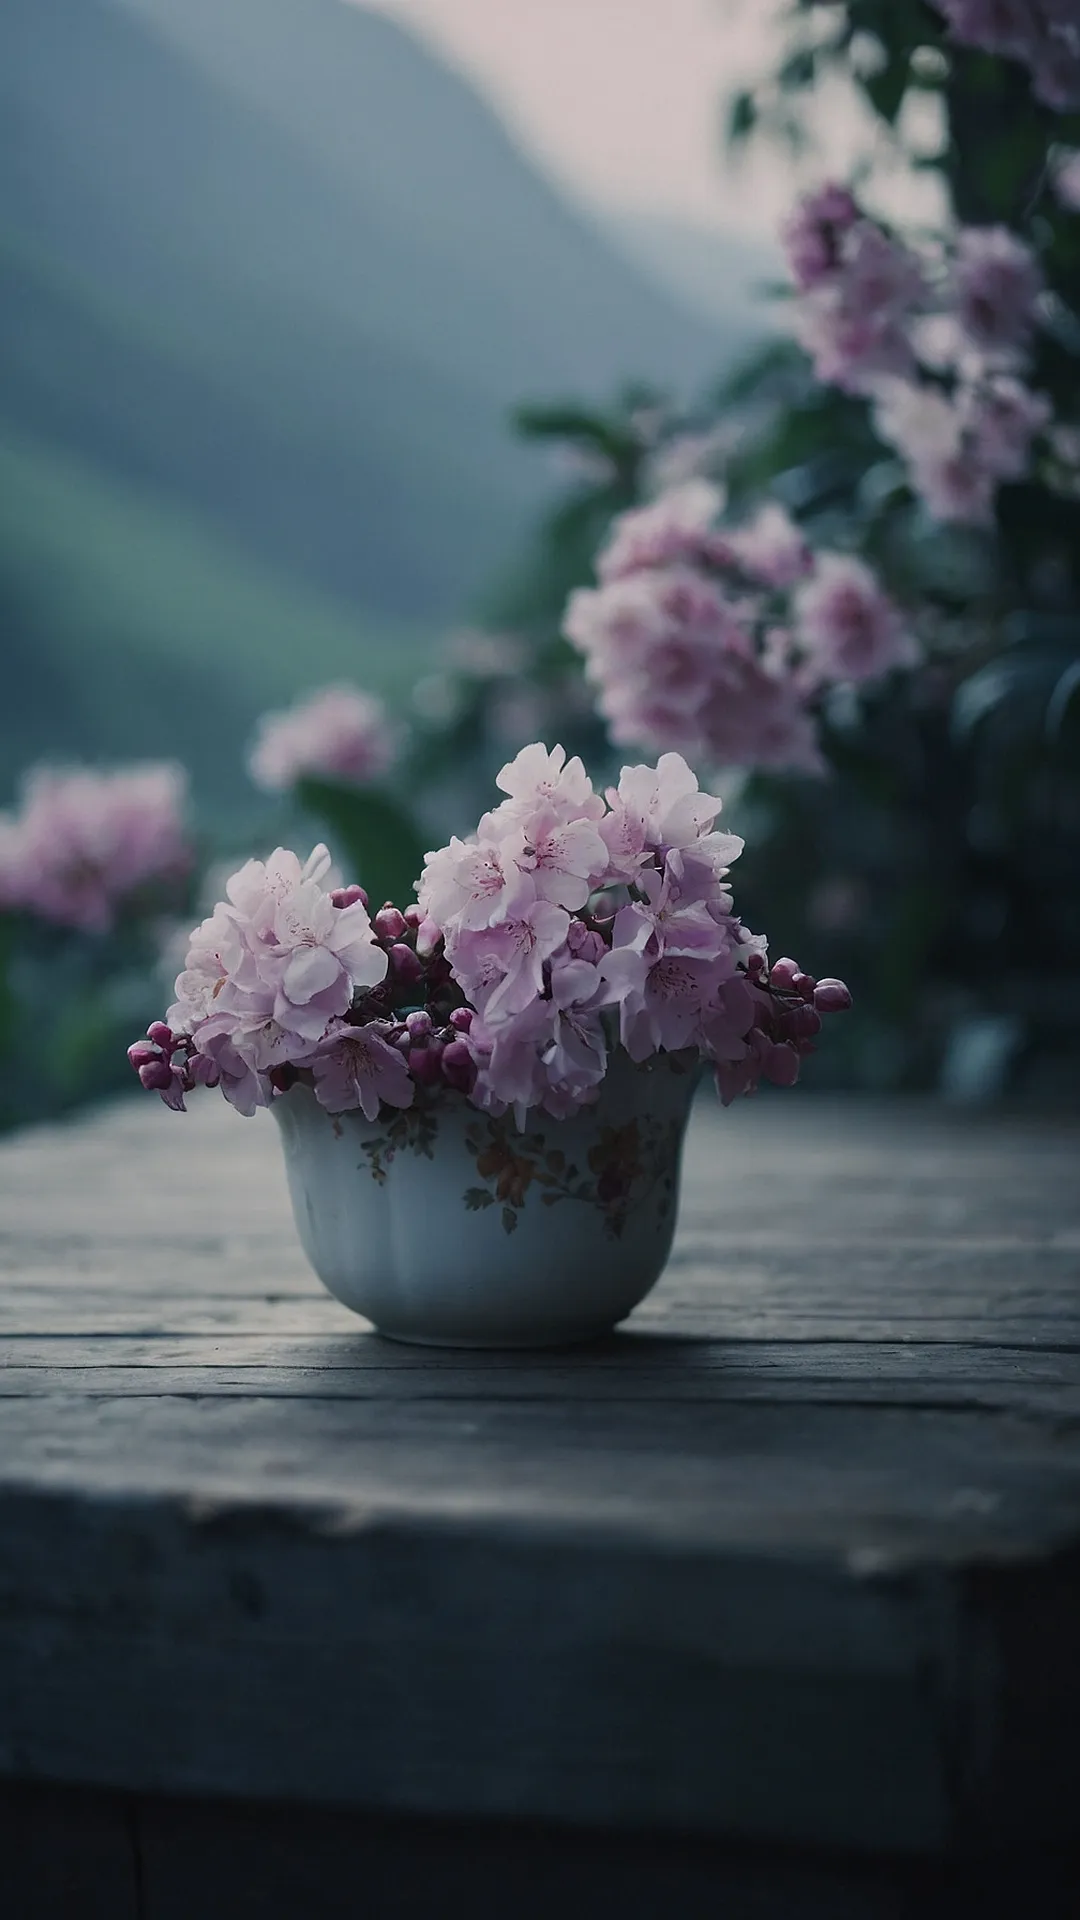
795,1557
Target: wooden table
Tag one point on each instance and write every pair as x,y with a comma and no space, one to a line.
772,1599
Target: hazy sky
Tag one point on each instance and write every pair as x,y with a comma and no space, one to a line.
619,98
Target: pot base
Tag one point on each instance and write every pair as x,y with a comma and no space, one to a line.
565,1336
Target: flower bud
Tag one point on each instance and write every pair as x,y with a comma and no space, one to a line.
348,897
389,924
419,1025
783,974
782,1065
461,1019
804,984
413,916
804,1022
141,1055
406,967
831,996
201,1071
161,1035
459,1067
399,1038
156,1075
425,1065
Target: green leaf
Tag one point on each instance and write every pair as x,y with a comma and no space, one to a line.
376,840
886,88
741,118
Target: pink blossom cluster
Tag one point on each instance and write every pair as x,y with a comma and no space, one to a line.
715,642
568,926
573,925
940,347
1042,35
859,290
339,733
82,842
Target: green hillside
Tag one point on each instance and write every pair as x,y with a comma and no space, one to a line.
140,629
271,278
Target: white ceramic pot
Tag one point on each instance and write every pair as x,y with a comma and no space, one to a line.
447,1227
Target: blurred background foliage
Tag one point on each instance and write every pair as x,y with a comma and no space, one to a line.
257,359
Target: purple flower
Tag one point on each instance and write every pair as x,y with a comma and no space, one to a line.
813,232
1043,35
847,624
662,1002
357,1067
82,842
997,282
338,733
1001,417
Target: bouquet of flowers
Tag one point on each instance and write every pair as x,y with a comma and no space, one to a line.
570,925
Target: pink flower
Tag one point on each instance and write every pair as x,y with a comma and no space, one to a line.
564,859
856,323
671,918
849,627
756,718
323,948
257,889
243,1086
997,282
217,953
537,777
662,1002
509,1070
471,885
501,968
82,842
771,548
357,1067
338,733
665,807
678,527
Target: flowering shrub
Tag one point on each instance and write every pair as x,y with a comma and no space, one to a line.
940,344
1041,35
339,733
82,843
719,642
567,926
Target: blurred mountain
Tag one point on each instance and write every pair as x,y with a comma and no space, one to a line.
270,278
718,275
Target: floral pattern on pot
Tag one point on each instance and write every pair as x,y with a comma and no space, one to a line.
624,1166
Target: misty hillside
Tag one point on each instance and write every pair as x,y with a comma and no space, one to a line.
270,277
719,276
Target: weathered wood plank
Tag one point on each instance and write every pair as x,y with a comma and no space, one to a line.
750,1567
